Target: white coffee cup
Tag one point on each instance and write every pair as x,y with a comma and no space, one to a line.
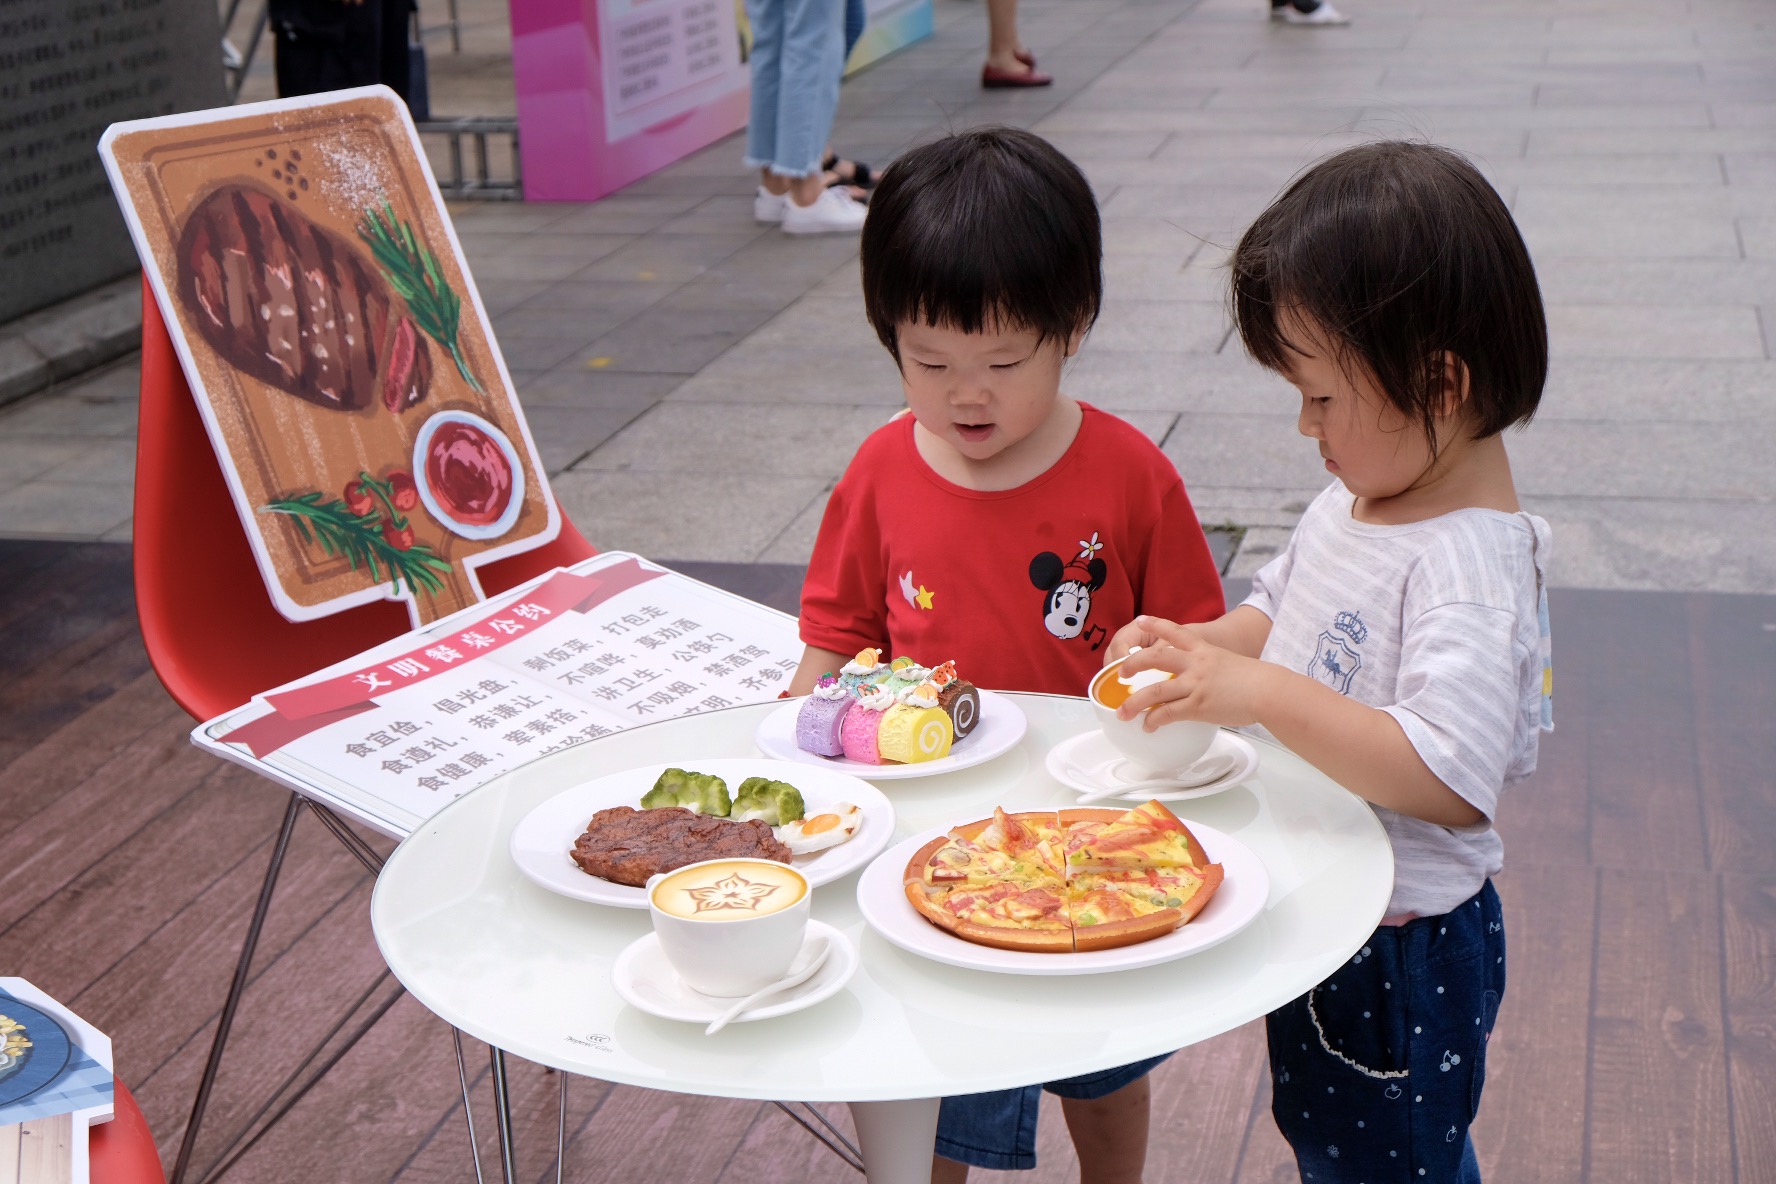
1167,750
730,926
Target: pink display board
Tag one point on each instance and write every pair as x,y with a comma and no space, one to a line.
611,90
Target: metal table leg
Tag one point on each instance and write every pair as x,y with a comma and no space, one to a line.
896,1138
502,1116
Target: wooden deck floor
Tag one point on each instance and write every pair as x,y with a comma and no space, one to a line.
1637,1040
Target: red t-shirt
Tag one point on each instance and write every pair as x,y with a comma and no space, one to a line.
1022,587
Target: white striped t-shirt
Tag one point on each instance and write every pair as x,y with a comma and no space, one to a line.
1437,624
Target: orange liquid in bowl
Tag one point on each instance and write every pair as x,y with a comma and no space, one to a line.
1111,691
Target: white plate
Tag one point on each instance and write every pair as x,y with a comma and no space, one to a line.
1088,762
542,840
422,444
643,978
1237,903
1001,726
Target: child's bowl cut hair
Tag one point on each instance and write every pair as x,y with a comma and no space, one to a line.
987,227
1399,252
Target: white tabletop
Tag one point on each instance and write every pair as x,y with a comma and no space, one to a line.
529,971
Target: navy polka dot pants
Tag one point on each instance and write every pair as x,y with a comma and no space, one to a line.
1376,1072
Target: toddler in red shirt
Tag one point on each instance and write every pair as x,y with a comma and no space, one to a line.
1000,523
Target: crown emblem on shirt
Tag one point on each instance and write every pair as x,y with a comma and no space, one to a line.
1351,625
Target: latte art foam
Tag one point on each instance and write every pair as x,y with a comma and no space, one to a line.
729,890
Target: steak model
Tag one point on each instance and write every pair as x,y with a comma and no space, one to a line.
296,306
626,845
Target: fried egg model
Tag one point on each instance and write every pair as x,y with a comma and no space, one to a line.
817,832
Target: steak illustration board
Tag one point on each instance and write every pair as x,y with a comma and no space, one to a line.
337,349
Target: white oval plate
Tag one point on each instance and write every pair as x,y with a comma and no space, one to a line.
543,839
1001,726
643,979
1245,888
1089,763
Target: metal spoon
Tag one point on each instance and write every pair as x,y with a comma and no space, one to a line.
794,979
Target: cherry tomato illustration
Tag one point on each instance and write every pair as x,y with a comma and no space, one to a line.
403,492
357,498
400,538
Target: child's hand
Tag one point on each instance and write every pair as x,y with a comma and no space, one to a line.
1133,635
1208,683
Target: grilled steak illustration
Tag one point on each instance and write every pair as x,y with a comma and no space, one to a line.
295,305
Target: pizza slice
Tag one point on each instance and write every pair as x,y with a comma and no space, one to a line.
1111,909
1110,840
1007,915
1032,842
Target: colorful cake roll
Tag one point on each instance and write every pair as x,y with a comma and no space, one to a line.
903,675
818,723
866,668
916,728
859,729
958,698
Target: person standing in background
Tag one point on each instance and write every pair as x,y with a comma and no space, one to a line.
798,53
333,44
1307,12
1009,64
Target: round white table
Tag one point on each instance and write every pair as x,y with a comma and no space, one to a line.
528,971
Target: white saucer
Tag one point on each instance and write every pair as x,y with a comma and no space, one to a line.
644,979
1088,763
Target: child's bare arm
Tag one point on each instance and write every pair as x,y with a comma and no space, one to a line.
815,662
1360,747
1243,631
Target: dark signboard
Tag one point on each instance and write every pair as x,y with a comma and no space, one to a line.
68,70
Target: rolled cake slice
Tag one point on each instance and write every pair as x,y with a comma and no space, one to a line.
916,728
819,721
866,668
861,725
903,675
958,698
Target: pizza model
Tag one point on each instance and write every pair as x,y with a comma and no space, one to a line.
1063,882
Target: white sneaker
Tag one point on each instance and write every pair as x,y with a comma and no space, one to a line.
768,206
833,212
1324,14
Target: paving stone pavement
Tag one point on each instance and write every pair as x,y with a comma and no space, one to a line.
697,382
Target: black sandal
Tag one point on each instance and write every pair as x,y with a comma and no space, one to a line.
861,176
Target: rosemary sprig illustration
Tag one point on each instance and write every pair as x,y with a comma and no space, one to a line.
362,539
414,272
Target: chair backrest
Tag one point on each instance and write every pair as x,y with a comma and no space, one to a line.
212,633
122,1151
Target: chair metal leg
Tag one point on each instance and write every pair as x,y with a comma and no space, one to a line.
243,1144
236,988
835,1141
561,1129
502,1116
462,1076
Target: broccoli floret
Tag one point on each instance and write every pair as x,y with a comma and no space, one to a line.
703,792
771,802
707,794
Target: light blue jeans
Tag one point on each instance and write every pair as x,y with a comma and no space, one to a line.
798,53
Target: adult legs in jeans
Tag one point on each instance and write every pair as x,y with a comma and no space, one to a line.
797,56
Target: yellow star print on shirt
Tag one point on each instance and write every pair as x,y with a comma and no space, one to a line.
918,596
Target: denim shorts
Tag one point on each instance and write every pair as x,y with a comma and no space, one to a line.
1376,1073
998,1129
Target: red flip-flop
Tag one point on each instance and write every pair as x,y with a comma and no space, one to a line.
994,78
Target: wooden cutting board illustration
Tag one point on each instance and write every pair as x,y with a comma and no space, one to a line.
339,353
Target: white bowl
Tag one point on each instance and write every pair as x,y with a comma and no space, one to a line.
1166,750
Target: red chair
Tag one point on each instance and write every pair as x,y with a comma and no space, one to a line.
122,1150
211,631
